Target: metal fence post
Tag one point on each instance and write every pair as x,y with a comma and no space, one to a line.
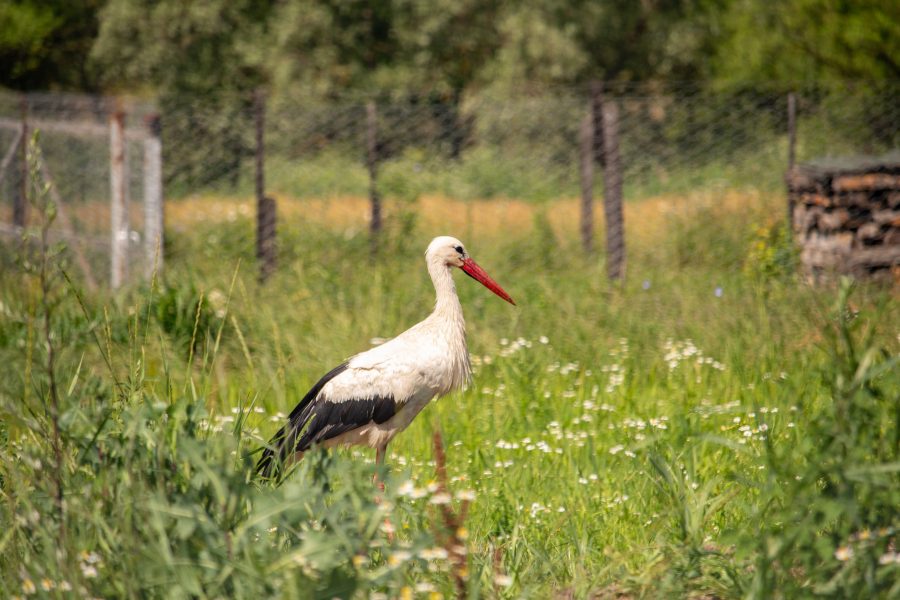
118,210
153,198
372,164
265,206
586,173
612,192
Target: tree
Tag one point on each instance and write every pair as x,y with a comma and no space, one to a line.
576,41
195,57
45,44
809,40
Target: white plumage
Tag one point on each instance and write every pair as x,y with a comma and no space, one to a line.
376,394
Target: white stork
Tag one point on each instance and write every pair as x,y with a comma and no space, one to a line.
375,395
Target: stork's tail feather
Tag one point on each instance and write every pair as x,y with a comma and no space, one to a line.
272,460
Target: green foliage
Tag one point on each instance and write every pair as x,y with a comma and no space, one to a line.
326,46
808,40
829,508
187,316
24,29
159,505
644,439
45,44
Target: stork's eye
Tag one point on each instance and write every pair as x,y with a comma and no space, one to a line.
458,249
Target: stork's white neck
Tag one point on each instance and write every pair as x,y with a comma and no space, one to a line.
448,323
447,304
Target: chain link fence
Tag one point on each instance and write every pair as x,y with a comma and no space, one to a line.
93,153
672,140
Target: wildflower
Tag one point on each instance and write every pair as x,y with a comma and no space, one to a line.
844,553
465,495
424,586
28,587
544,339
436,553
719,291
503,580
888,558
359,560
399,557
646,284
47,585
440,498
435,596
616,449
462,533
406,593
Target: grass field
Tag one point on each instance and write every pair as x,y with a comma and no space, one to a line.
710,428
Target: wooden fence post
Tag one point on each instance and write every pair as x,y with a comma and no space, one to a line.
792,153
372,164
20,198
265,206
612,192
597,113
118,213
153,198
586,173
792,129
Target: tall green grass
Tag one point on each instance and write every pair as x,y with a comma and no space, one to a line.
710,427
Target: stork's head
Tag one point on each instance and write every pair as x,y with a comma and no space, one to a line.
451,252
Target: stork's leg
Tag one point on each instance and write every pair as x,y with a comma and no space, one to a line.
380,452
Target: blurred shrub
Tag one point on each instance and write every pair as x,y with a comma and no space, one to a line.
772,253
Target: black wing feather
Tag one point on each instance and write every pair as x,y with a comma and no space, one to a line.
284,438
317,419
331,419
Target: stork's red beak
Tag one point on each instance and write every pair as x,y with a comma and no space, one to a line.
471,268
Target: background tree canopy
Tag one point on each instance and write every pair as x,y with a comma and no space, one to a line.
321,46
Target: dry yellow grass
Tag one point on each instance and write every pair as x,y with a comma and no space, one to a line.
645,220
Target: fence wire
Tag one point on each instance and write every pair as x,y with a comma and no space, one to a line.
473,146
